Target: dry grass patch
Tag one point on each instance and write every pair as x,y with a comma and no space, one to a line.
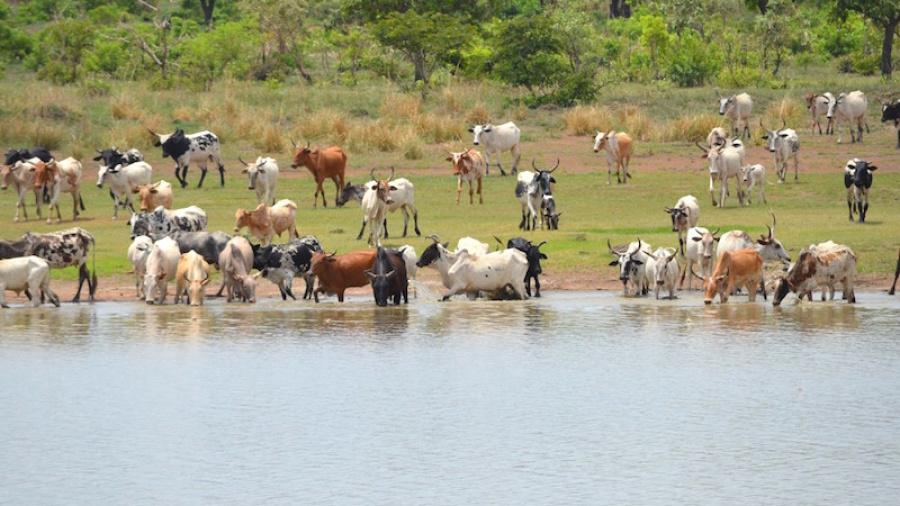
125,107
401,107
587,120
478,115
688,128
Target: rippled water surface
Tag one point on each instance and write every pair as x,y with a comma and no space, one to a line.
577,398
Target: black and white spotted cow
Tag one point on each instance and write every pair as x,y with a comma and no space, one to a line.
14,155
891,112
858,181
164,221
281,263
61,249
201,147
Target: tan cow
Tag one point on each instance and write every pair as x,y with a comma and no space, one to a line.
322,164
618,151
266,222
191,278
469,167
59,176
740,268
154,195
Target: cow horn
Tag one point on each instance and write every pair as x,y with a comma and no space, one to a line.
716,232
541,244
783,123
152,132
293,143
705,150
307,143
98,151
242,161
498,240
608,245
695,273
772,230
392,173
434,238
555,166
533,166
372,173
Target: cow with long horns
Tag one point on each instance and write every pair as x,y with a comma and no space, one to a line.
201,147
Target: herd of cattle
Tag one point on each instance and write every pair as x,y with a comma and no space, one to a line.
176,245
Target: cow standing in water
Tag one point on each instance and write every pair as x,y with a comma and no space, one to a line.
740,268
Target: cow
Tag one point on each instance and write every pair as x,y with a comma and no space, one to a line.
201,147
534,256
155,195
166,221
664,271
262,176
725,161
785,144
62,249
113,158
850,108
374,205
738,108
753,175
162,267
767,246
549,214
351,192
735,269
685,215
30,274
858,180
821,265
57,177
618,148
700,249
281,263
191,279
532,190
409,257
495,273
21,176
403,197
236,261
818,106
123,180
14,155
388,277
632,261
896,275
138,252
716,136
497,139
322,164
437,256
336,273
266,222
469,167
891,112
208,244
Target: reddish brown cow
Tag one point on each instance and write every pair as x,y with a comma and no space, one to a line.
266,222
336,273
469,167
154,195
323,164
740,268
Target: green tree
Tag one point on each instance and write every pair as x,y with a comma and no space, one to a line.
529,53
884,13
285,28
62,48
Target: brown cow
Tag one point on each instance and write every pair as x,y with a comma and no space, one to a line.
336,273
821,265
58,177
266,222
469,167
326,163
740,268
191,278
154,195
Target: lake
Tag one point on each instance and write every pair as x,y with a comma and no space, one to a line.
575,398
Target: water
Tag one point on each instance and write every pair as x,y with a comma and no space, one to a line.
577,398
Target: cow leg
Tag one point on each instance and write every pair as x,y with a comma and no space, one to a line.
202,176
222,176
523,222
537,287
384,225
415,215
361,230
850,205
502,173
83,275
481,198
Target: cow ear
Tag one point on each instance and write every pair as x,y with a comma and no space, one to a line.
472,130
696,239
614,263
872,167
161,276
136,189
449,159
543,256
447,244
637,262
393,188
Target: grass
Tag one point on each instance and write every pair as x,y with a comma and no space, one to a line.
381,127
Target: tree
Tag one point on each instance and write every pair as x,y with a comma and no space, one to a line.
62,48
886,14
529,53
285,25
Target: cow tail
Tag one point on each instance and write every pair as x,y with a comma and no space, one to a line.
93,284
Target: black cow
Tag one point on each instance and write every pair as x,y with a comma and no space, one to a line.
281,263
14,155
891,112
351,192
201,147
534,256
858,174
388,277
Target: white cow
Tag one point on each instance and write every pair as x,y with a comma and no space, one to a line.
30,273
236,262
664,270
725,162
767,246
618,148
494,272
402,197
699,249
716,136
62,176
821,266
753,175
162,266
473,246
738,108
262,176
818,106
632,261
497,139
123,180
21,176
685,215
138,252
850,108
785,144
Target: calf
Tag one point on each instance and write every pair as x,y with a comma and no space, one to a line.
469,167
262,177
138,252
123,180
336,273
685,215
374,205
164,221
154,195
858,180
618,147
740,268
824,264
785,144
534,256
388,277
281,263
891,112
632,261
201,147
266,222
62,249
700,249
30,274
58,177
753,175
191,278
162,266
322,164
534,191
236,262
497,139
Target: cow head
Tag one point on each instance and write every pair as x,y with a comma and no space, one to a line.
544,178
351,192
889,111
246,286
716,285
257,218
146,191
462,162
381,280
835,103
12,156
628,262
862,176
606,140
44,173
480,130
303,156
173,145
140,224
679,217
771,246
383,187
725,103
253,170
775,137
432,253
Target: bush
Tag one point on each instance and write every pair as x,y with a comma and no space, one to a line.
692,63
